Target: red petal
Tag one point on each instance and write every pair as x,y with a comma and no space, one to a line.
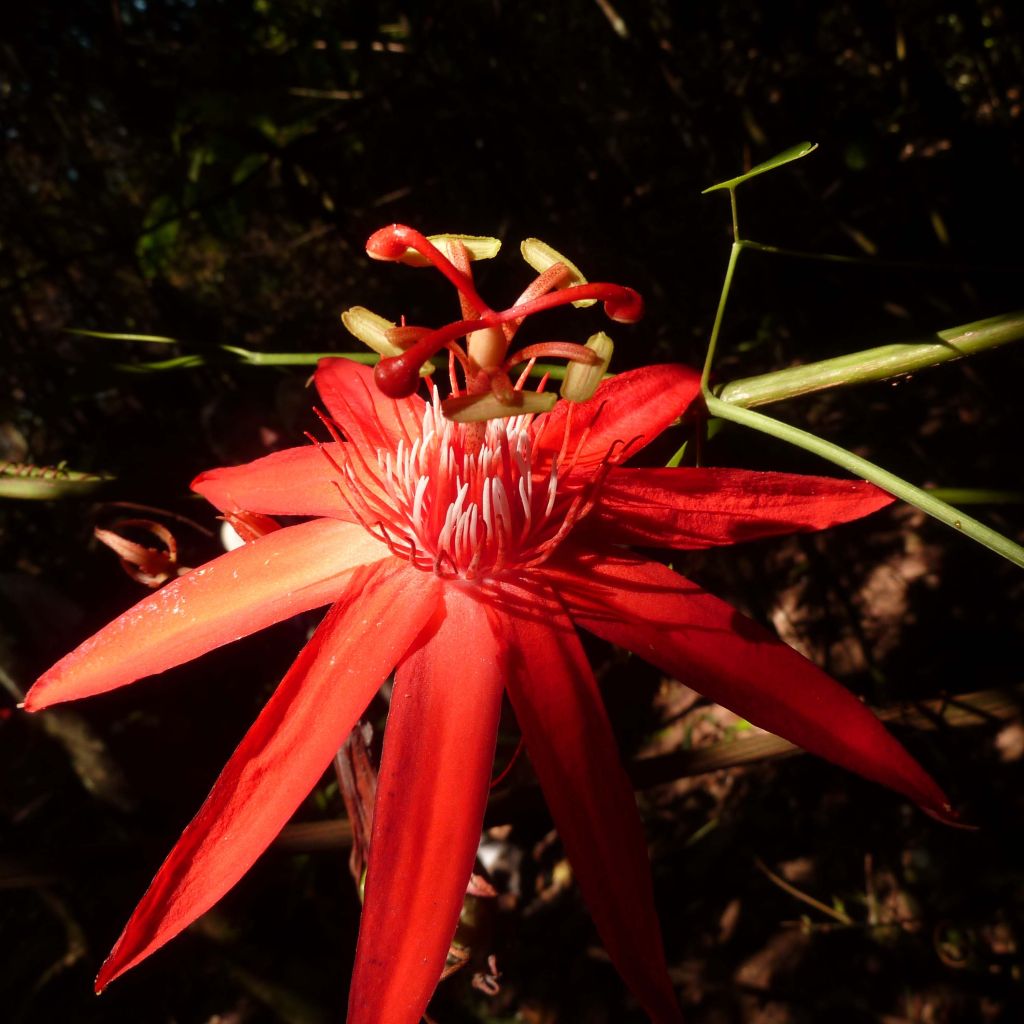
295,482
572,747
634,406
700,508
279,575
707,644
283,755
364,413
434,777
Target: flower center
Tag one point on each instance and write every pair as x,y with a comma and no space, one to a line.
461,506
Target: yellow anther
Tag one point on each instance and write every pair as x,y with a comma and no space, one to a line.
478,247
540,256
381,335
478,408
371,329
581,379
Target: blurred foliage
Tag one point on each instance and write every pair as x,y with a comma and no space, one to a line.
208,170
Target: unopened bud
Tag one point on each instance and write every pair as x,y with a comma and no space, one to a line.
581,379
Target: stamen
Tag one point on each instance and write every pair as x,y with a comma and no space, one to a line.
398,376
525,375
332,428
552,489
391,242
469,501
554,350
417,502
621,304
488,520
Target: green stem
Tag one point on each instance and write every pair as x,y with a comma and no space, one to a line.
735,215
875,363
734,255
869,471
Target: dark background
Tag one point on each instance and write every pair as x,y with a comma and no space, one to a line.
210,171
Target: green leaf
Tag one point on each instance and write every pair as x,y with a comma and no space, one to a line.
248,167
177,363
160,339
251,358
157,243
41,483
787,156
712,427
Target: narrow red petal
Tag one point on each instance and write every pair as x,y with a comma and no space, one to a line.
700,508
672,623
279,575
574,753
434,776
364,413
283,755
634,406
295,482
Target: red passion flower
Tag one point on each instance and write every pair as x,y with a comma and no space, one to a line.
464,557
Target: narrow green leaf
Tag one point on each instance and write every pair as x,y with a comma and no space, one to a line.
42,483
251,358
677,460
787,156
158,365
712,427
248,166
158,241
160,339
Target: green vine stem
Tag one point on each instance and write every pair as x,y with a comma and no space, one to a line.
854,464
716,328
732,401
873,364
